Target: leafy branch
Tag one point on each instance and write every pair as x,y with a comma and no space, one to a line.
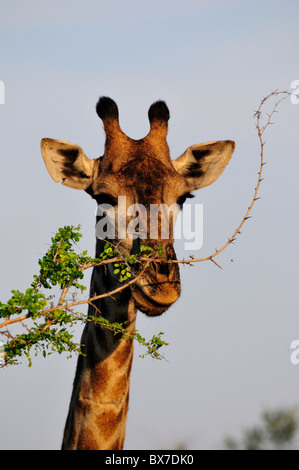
63,267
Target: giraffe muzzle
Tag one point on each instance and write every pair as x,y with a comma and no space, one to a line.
157,290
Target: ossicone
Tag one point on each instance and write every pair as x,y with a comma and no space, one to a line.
158,112
106,108
158,115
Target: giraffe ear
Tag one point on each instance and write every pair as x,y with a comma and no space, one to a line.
202,164
67,163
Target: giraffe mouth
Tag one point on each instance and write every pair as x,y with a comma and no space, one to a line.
154,299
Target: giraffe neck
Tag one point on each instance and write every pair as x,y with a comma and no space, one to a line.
99,403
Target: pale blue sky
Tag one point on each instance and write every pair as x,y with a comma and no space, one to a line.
212,61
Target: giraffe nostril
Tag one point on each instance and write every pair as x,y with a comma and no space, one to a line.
161,268
164,268
155,267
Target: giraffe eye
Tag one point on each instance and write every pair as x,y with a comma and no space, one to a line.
104,198
182,199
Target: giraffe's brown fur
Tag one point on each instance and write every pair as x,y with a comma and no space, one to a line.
143,172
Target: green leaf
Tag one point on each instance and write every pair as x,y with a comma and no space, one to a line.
61,267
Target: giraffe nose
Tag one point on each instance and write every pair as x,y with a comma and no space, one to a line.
162,271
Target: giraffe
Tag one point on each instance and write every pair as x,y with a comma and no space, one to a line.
142,172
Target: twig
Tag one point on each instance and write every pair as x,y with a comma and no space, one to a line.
261,131
79,302
145,261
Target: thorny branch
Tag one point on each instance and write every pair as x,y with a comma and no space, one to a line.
261,128
63,305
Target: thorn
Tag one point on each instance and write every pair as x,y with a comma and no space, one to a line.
248,217
216,263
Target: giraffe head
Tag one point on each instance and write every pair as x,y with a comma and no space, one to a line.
138,177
